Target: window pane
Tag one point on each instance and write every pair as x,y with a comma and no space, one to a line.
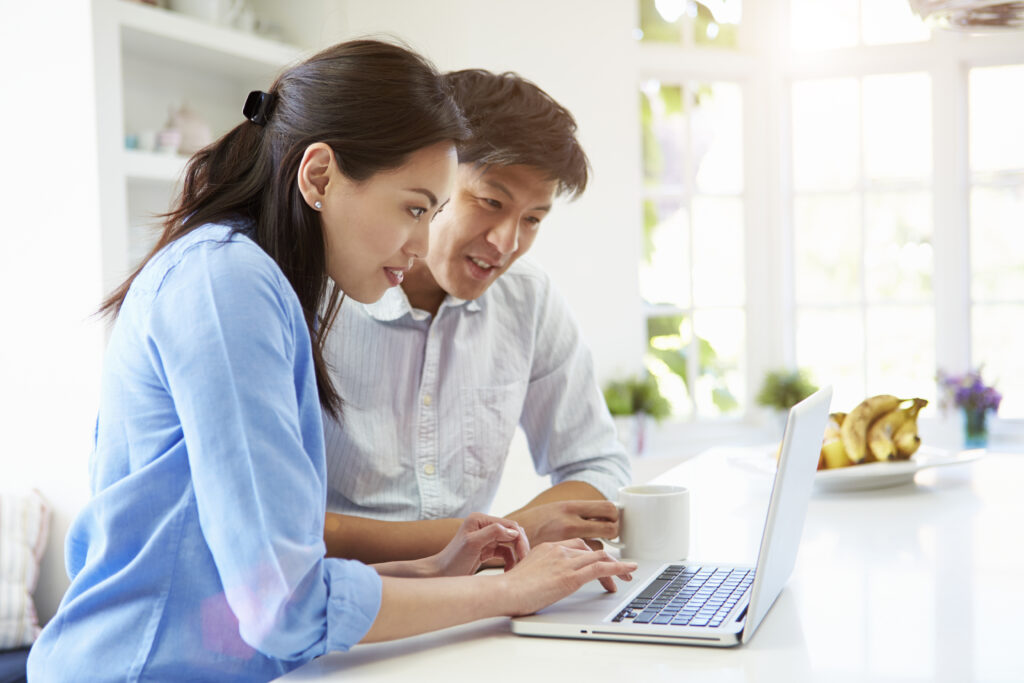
897,127
901,351
668,349
664,134
665,274
831,345
708,22
827,243
996,113
890,21
818,25
721,335
997,244
996,342
826,134
898,258
661,20
717,23
717,133
719,263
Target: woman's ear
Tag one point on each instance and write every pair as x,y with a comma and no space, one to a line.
315,172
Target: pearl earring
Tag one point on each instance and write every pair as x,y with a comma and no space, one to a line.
318,205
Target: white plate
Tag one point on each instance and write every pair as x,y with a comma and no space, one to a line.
877,475
874,475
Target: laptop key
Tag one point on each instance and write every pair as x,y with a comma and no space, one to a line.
653,588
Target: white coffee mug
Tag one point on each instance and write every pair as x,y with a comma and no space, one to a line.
654,522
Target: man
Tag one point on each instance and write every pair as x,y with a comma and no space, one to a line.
436,375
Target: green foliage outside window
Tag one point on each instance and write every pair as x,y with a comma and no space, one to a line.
636,396
706,30
666,344
782,389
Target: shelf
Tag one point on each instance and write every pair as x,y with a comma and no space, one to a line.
153,167
171,37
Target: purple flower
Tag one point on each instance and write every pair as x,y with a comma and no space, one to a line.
968,391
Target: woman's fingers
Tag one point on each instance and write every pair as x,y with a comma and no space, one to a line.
506,555
493,533
602,566
522,543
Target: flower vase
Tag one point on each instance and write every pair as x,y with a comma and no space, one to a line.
975,428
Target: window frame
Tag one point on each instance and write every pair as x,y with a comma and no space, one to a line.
765,68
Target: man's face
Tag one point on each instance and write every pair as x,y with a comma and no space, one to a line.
491,220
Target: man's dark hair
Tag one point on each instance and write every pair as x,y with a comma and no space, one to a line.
514,122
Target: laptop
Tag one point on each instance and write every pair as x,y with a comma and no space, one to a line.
700,603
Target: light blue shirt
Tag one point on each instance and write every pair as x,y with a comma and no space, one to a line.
432,402
200,555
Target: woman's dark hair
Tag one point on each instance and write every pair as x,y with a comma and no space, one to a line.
515,122
373,103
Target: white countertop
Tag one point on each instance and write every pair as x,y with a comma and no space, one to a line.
920,582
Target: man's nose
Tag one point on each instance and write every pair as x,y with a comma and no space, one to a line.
505,236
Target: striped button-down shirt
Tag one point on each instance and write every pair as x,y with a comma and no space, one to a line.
431,403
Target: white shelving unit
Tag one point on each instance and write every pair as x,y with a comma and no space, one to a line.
161,60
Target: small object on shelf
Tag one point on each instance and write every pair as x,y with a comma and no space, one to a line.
224,12
168,141
131,141
195,132
146,140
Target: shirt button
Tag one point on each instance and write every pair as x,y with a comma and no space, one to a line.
427,400
428,468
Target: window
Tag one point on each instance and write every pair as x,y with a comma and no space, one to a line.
996,110
893,185
692,278
862,234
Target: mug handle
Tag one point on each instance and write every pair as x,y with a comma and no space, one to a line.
612,542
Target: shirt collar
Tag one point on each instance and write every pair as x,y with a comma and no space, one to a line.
395,304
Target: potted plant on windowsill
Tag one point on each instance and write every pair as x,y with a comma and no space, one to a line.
631,402
783,389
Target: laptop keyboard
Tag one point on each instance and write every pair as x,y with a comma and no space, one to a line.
689,596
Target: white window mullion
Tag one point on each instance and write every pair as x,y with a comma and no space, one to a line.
952,279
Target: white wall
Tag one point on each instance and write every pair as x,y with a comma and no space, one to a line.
50,273
55,98
580,52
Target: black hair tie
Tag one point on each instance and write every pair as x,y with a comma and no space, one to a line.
257,106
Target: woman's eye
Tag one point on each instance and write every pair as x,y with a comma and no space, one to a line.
417,211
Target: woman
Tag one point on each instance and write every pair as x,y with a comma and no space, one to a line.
200,555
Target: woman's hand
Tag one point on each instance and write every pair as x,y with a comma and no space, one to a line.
554,570
480,538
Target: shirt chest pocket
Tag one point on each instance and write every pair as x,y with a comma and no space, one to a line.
489,419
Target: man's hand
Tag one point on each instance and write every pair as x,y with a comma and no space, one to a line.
566,519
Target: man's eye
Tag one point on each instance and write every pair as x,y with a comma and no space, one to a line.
532,220
417,211
492,202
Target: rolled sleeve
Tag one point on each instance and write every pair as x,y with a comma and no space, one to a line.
355,596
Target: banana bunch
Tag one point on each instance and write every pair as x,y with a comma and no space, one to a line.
879,429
